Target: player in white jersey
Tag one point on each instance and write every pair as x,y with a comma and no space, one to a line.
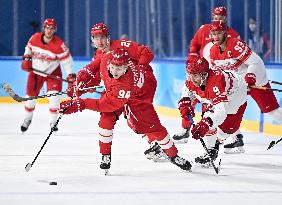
45,52
225,95
200,46
234,54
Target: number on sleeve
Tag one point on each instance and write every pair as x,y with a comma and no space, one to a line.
239,46
123,94
125,43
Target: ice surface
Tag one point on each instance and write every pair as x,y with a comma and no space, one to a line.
72,159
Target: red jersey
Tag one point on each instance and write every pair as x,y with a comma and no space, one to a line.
124,93
202,40
47,57
139,54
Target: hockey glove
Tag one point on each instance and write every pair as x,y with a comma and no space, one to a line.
72,106
185,107
250,79
201,129
27,63
84,78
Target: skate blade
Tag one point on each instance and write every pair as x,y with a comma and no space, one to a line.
236,150
161,160
182,141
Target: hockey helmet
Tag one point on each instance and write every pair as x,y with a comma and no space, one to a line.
50,22
220,10
99,29
119,57
218,26
197,66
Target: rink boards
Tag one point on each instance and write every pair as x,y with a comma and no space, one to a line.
170,75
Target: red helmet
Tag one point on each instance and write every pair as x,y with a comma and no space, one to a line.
220,10
50,23
99,29
119,57
218,26
197,66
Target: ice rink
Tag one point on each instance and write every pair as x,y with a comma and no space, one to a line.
72,159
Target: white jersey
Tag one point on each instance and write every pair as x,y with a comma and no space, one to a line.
225,92
47,57
239,57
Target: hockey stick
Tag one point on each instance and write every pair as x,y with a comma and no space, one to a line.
216,169
265,88
50,76
272,143
275,82
29,165
7,88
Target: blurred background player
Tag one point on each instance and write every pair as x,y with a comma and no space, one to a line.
124,84
200,46
259,41
225,96
45,52
89,76
124,37
234,54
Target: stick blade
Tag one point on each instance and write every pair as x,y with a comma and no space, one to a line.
272,143
27,167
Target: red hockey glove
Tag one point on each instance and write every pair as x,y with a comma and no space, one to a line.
201,129
84,78
185,107
72,106
27,63
250,79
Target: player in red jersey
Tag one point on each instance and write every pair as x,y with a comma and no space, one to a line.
124,84
200,46
225,95
234,54
90,76
46,53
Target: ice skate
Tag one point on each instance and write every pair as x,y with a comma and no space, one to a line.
181,163
25,125
106,163
155,153
182,137
236,146
205,159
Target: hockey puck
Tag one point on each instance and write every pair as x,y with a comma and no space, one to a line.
53,183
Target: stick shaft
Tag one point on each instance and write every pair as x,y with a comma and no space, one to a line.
50,76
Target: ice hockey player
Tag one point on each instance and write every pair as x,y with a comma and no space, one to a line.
90,76
45,52
200,46
234,54
124,82
225,96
